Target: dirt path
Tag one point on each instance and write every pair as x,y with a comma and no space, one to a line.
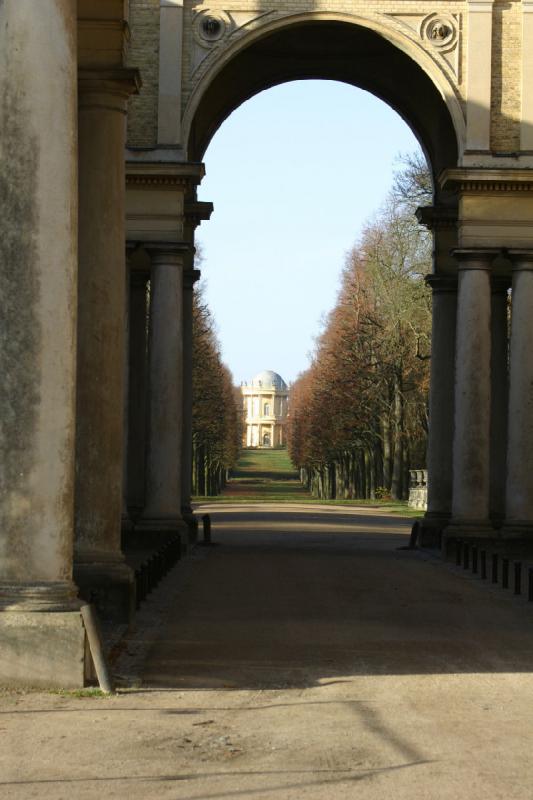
303,657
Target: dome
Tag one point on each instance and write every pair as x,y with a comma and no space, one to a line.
269,380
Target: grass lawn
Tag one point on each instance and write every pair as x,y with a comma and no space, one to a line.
268,476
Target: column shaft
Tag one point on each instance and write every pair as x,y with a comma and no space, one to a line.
471,444
126,520
137,395
163,501
519,488
499,397
189,278
38,175
99,565
441,405
41,632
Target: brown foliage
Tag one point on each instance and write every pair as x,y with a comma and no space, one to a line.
360,411
216,425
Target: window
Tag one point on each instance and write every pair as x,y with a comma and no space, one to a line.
267,409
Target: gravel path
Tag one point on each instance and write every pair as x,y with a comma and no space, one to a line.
305,656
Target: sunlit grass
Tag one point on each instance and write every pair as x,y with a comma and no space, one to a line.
268,476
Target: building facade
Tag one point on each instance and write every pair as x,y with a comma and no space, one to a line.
265,403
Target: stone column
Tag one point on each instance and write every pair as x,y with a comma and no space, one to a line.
137,395
190,276
100,570
519,487
499,396
471,443
163,501
127,524
41,633
441,404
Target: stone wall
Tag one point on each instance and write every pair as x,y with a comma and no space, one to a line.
506,76
401,17
144,54
404,17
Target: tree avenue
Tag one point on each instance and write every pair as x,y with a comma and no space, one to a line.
359,414
216,425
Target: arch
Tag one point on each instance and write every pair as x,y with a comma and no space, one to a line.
359,51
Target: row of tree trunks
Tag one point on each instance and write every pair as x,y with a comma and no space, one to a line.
364,473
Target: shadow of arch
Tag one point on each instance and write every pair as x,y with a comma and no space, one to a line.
325,47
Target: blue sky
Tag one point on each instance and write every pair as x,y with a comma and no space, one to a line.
293,174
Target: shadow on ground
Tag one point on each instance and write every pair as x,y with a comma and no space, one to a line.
306,598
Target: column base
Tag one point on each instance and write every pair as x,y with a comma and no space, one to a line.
469,528
161,524
126,523
33,596
42,649
466,529
107,582
521,530
432,526
497,520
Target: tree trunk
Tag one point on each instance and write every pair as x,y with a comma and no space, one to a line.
397,464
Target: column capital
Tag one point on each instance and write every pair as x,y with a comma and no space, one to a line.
107,88
169,253
442,283
475,258
521,260
190,276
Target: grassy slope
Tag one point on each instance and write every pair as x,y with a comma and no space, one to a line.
268,476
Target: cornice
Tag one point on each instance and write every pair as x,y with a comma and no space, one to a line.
441,284
190,276
436,217
487,180
198,211
164,175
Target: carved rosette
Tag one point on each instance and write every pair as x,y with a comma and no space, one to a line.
209,27
439,31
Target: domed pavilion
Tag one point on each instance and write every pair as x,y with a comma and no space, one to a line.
265,407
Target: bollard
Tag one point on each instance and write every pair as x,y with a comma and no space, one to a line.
206,520
138,588
483,564
466,556
494,571
517,577
415,533
505,573
474,559
458,553
530,584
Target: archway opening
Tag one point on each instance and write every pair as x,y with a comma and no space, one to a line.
329,49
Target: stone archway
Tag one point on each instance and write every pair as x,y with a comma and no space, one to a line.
461,78
413,77
320,45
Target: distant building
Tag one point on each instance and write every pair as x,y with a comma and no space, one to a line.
265,405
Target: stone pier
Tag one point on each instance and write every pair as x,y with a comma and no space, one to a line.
100,570
41,631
